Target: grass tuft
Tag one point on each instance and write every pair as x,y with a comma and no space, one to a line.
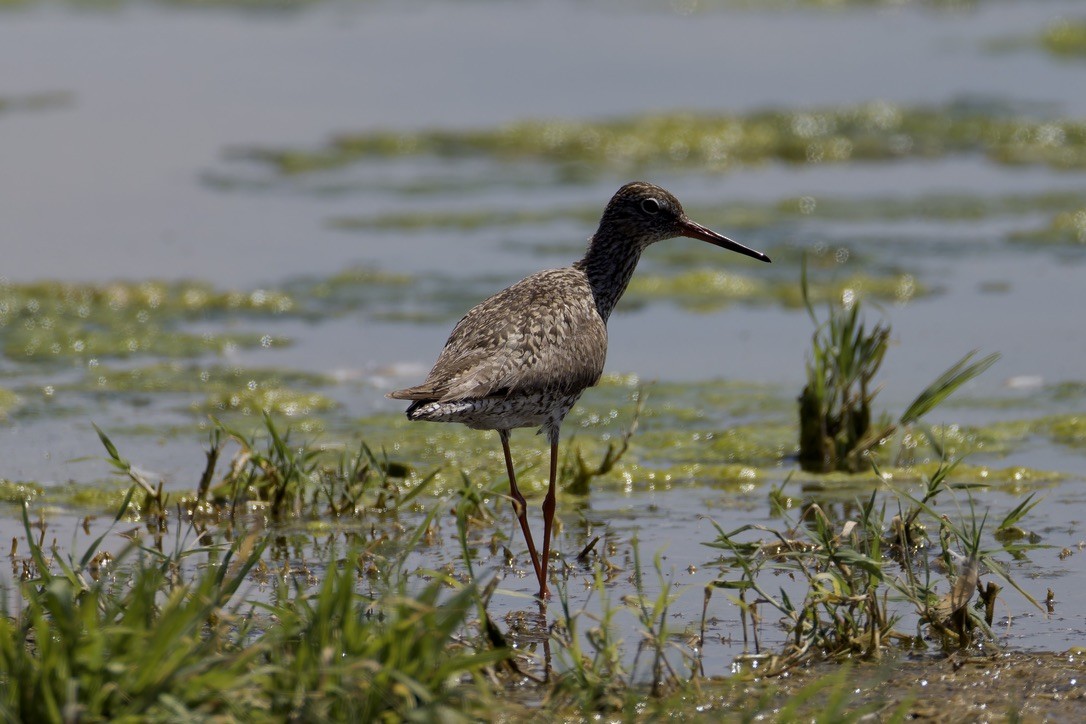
837,427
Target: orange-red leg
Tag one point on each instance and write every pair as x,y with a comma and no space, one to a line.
548,518
521,507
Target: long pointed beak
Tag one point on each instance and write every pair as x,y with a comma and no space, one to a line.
695,230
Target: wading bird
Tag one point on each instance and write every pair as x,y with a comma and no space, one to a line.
523,357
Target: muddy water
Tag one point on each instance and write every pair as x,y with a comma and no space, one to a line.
134,175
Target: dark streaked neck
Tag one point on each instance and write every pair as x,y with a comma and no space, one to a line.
609,264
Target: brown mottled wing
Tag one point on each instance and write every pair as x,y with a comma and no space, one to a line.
542,334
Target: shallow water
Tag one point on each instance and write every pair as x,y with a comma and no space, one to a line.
135,175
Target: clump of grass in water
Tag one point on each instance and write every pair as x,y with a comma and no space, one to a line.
846,566
837,430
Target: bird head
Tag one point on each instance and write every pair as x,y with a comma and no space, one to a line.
645,214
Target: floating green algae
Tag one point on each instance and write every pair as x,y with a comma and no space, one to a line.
698,289
690,5
1003,438
385,295
8,401
998,438
121,297
688,433
1067,430
877,131
668,404
1067,390
180,376
1014,480
54,320
352,280
100,496
1067,228
224,389
105,496
684,7
56,340
31,101
709,289
273,400
732,216
453,454
270,6
1065,38
942,207
14,491
460,220
755,444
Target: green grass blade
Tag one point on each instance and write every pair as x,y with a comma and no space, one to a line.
945,385
1019,512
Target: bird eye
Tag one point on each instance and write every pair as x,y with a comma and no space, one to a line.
650,206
